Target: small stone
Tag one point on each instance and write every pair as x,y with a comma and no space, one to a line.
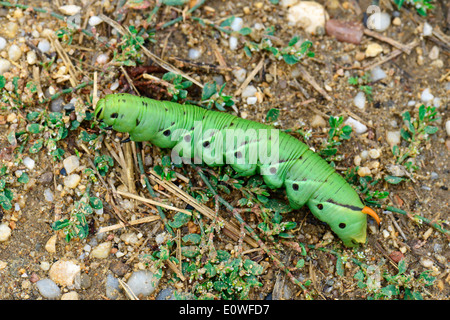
129,238
72,181
374,153
351,32
101,251
434,53
427,29
5,65
194,54
119,268
397,21
427,263
249,91
363,171
3,265
447,127
360,100
5,232
373,49
44,46
63,272
10,29
31,57
360,56
57,104
237,24
233,43
379,21
142,282
112,287
50,246
252,100
2,43
95,21
377,74
48,289
318,122
356,125
14,52
426,95
29,163
102,58
46,177
71,163
308,15
240,74
393,138
69,10
72,295
396,256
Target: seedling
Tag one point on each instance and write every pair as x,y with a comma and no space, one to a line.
336,135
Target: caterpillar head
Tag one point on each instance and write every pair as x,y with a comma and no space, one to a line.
347,221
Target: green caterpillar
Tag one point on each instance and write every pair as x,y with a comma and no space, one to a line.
218,138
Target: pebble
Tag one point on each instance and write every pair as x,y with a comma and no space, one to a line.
252,100
194,54
249,91
48,289
14,52
233,43
5,232
360,100
373,49
427,263
112,287
318,122
166,294
102,58
70,9
447,127
71,163
72,181
63,272
363,171
44,46
434,53
379,21
29,163
393,138
374,153
237,24
10,30
114,85
95,21
377,74
72,295
2,43
50,246
240,74
356,125
31,57
102,250
308,15
57,104
46,177
129,238
142,282
351,32
426,95
397,21
427,29
5,65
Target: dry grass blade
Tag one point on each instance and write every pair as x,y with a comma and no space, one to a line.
133,223
127,290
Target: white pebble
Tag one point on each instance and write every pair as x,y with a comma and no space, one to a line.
72,181
5,65
237,24
94,21
309,15
447,127
377,74
374,153
142,282
240,74
129,238
360,100
102,58
426,95
48,289
44,46
114,85
356,125
5,232
102,250
233,43
29,163
194,54
31,57
393,138
2,43
252,100
14,52
48,195
249,91
63,272
427,29
70,9
436,102
71,163
379,21
363,171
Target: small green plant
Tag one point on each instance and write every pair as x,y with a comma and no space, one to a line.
421,6
165,169
130,48
6,195
365,185
213,97
178,85
103,163
363,85
415,132
336,135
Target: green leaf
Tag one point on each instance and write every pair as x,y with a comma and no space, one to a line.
253,267
95,203
34,128
245,31
24,178
431,129
290,59
190,251
193,238
209,90
36,146
179,220
272,115
393,179
293,41
2,81
339,266
33,115
300,263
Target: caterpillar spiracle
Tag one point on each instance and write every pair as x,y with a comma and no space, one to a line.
217,138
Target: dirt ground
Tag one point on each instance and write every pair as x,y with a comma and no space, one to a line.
25,255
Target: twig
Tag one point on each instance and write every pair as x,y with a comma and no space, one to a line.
65,91
390,56
250,77
308,78
133,222
405,48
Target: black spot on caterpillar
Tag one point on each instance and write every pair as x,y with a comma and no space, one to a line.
249,147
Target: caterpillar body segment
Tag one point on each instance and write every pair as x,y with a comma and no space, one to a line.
249,147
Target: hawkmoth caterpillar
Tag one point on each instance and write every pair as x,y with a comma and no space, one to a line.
218,138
